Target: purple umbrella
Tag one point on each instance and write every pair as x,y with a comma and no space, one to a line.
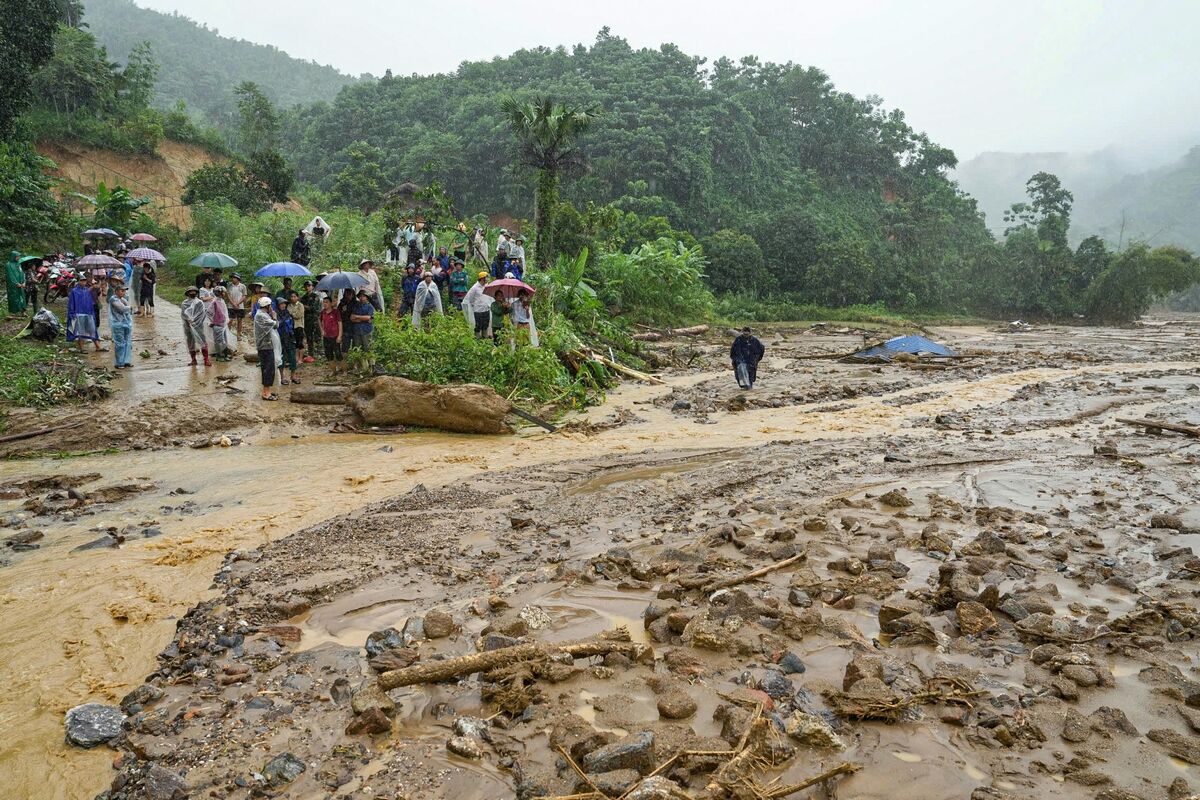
98,260
145,254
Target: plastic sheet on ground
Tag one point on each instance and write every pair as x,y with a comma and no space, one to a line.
884,353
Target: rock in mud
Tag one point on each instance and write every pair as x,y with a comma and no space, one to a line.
383,640
372,720
339,691
413,631
160,783
1182,747
371,696
812,730
974,618
467,408
610,784
776,685
676,704
896,498
473,727
140,697
320,395
465,747
438,625
632,752
283,768
1167,522
1075,727
657,788
93,724
790,664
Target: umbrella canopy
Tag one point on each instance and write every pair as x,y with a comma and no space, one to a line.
98,260
213,261
144,237
145,254
507,288
282,269
27,259
342,280
102,232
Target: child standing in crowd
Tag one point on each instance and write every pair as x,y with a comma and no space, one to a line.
331,333
287,341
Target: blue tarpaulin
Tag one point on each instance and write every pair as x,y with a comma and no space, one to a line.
916,345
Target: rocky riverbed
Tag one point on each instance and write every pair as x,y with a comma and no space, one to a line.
967,581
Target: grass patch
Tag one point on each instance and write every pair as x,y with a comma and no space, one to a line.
36,374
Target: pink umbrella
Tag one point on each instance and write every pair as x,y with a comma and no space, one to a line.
143,237
145,254
507,287
98,260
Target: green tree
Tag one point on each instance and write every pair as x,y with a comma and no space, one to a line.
546,132
113,208
26,42
1135,279
357,185
272,173
226,183
735,263
29,214
258,125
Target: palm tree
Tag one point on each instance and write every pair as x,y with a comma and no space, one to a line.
546,132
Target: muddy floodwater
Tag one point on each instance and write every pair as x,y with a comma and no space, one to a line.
975,582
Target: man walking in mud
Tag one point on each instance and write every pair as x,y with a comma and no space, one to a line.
745,354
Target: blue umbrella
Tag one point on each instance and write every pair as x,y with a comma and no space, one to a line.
282,269
341,280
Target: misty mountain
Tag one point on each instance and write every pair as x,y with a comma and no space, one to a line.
1116,195
201,67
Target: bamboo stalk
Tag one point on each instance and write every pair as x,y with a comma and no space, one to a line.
758,573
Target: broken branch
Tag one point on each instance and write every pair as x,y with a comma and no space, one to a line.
846,768
758,573
1153,424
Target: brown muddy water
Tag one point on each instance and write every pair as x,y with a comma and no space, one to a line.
1022,417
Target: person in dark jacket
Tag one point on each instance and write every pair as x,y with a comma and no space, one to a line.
745,354
300,249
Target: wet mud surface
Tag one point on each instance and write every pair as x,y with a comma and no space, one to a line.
974,583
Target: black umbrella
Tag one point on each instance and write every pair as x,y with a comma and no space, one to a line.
342,280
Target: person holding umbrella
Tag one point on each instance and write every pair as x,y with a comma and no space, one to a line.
81,316
522,312
146,280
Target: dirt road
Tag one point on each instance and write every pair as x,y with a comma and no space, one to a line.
656,470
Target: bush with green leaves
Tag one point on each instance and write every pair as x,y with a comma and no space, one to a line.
659,283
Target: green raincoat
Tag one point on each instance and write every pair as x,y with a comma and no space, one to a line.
14,280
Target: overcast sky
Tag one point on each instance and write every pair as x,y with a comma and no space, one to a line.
1019,75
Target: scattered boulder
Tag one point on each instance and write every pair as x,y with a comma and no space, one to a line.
386,639
160,783
1182,747
610,784
371,696
465,746
676,704
93,724
372,720
465,408
896,498
283,768
974,618
632,752
438,625
657,788
812,730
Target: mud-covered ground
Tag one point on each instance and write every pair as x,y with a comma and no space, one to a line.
983,586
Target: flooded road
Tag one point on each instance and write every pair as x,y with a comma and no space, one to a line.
88,625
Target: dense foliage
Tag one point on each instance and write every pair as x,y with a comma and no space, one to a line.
202,68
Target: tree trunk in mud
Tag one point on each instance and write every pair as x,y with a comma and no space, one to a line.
435,671
467,408
320,395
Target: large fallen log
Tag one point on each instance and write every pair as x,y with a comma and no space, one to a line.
465,408
320,395
1154,424
436,671
694,330
652,336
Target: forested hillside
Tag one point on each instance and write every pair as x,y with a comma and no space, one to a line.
201,67
842,197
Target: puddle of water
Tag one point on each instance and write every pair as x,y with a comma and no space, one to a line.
908,758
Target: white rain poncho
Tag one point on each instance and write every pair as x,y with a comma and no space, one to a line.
194,314
317,222
429,297
477,300
521,315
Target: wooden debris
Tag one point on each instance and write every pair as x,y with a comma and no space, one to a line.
435,671
695,330
758,573
17,437
1154,424
621,368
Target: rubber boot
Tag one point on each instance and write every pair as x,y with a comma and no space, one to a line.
193,352
207,360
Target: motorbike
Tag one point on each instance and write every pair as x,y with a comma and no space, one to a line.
56,279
